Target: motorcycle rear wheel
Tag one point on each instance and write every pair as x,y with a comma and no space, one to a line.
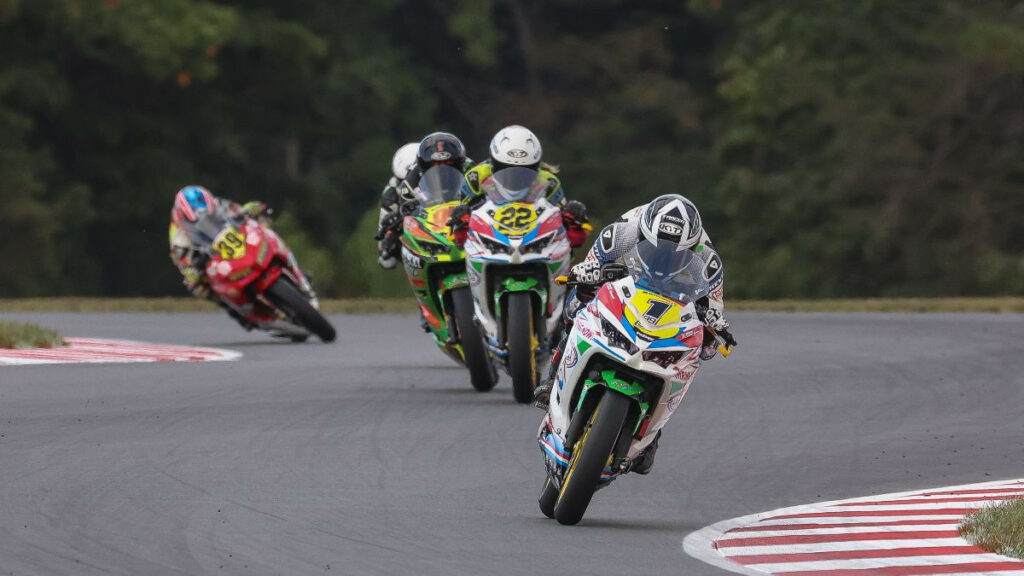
287,297
481,372
591,454
521,343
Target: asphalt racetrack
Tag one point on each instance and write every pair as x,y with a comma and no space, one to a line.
374,456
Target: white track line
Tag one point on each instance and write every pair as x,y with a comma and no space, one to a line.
888,533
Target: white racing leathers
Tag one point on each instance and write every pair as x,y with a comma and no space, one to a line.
615,242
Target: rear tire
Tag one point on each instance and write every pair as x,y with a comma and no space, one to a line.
548,497
287,297
590,456
481,372
520,338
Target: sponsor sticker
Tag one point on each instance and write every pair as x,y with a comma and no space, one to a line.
572,358
684,373
717,293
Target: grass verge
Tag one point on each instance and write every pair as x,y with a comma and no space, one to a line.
21,335
998,529
408,305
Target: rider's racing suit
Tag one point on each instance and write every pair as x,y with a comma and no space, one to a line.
573,212
619,238
615,242
190,256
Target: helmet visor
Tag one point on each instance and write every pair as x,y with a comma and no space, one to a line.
668,270
439,185
515,184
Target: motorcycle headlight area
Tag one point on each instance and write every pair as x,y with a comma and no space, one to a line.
434,248
616,338
663,359
538,245
495,247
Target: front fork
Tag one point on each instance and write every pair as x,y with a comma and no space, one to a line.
558,454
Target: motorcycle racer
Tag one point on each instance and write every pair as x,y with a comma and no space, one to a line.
188,248
517,146
669,218
397,200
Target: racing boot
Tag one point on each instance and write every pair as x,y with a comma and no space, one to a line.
644,462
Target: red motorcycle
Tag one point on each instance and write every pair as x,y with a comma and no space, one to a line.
252,270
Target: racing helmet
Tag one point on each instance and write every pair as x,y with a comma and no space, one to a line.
515,146
672,219
191,203
441,148
404,158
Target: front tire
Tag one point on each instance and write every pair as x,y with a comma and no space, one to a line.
481,372
548,497
590,456
522,345
287,297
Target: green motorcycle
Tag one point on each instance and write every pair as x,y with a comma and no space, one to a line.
436,268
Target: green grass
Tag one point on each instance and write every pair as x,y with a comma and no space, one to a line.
408,305
998,529
20,335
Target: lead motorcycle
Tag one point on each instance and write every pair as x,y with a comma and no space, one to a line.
436,268
515,248
252,271
629,359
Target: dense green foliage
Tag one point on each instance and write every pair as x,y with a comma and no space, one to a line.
835,147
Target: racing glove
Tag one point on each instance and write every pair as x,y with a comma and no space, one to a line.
195,282
459,221
574,218
255,209
390,223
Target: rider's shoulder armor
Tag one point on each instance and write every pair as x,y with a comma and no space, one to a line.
713,267
476,175
552,186
615,240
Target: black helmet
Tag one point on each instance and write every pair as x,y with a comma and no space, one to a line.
441,148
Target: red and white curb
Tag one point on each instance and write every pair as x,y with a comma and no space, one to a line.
904,534
94,351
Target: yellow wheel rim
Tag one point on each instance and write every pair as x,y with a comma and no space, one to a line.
577,450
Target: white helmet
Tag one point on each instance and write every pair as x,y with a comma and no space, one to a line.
671,218
403,159
515,146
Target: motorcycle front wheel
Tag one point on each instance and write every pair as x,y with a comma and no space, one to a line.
591,454
521,341
548,497
481,372
288,298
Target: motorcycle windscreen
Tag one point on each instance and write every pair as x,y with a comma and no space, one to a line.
666,270
207,227
439,185
515,184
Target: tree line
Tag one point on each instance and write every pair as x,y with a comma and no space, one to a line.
834,147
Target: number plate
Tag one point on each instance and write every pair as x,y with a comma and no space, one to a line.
230,244
516,217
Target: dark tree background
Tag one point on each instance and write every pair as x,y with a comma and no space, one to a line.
835,147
